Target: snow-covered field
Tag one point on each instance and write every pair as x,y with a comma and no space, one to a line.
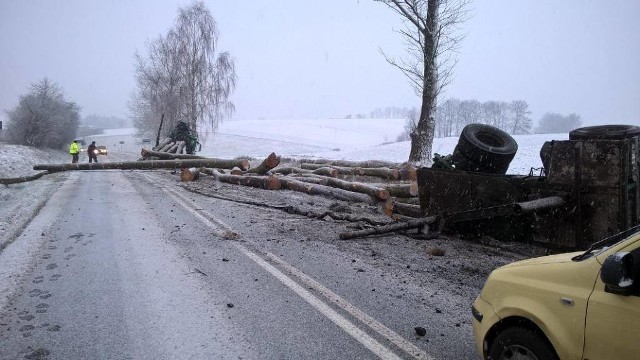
351,139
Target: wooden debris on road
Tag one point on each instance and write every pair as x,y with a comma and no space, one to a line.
148,164
267,164
385,229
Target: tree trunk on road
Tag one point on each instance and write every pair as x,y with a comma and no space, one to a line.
376,192
148,164
341,169
21,179
317,189
325,171
412,224
347,163
270,182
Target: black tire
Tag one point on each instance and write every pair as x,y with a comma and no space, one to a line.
604,132
522,343
484,148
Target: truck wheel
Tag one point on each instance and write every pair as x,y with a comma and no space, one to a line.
604,132
484,148
520,343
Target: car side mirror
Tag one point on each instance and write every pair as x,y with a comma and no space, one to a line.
616,273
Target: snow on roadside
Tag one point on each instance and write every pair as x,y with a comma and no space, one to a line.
20,202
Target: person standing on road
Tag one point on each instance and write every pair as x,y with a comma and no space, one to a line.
91,151
74,150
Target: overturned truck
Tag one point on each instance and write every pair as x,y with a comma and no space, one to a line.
587,190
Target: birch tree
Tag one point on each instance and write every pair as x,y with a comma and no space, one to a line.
430,32
184,75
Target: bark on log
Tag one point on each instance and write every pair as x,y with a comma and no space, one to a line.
181,147
411,200
148,164
382,172
412,224
407,209
316,189
21,179
343,170
347,163
161,144
376,192
407,190
270,182
325,171
164,155
267,164
174,148
189,174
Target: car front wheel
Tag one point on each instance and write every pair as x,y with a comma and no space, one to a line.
518,343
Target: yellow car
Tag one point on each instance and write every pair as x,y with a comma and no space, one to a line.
567,306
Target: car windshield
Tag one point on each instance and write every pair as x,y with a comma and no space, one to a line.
604,244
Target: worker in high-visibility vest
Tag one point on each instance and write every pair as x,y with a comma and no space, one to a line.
74,150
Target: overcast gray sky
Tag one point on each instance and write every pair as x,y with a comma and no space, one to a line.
319,59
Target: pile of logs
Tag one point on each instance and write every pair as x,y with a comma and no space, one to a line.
172,147
396,189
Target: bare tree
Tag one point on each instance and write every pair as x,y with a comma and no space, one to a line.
521,123
184,76
432,44
43,117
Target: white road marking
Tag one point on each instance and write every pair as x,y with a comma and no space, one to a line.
220,229
370,343
351,329
375,325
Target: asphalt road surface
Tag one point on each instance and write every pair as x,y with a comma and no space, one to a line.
120,266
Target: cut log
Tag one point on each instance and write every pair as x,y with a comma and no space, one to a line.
270,182
411,200
189,174
407,209
376,192
317,189
408,172
21,179
411,224
174,148
347,163
382,172
404,190
325,171
181,147
166,147
343,170
267,164
164,155
162,143
144,165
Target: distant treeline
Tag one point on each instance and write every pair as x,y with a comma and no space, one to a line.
454,114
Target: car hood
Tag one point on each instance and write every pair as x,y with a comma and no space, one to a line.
551,259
